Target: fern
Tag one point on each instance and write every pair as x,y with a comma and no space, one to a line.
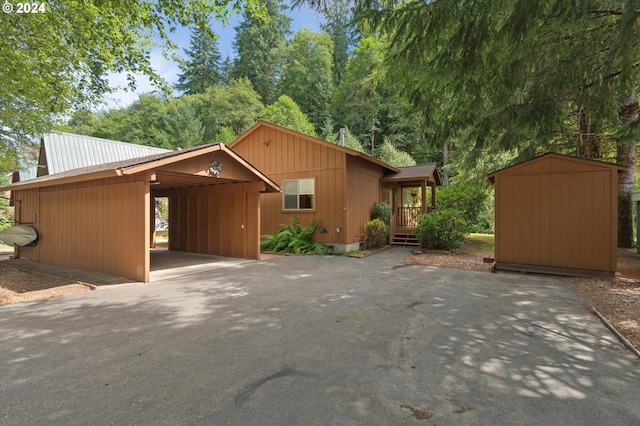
294,238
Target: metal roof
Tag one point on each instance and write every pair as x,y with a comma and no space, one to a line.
67,151
135,165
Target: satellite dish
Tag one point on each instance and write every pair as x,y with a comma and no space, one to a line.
19,236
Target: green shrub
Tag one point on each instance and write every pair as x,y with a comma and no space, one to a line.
294,238
375,234
381,211
443,229
468,200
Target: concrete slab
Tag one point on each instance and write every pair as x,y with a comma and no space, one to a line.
165,264
168,264
317,340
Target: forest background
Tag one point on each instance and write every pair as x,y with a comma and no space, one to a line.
472,86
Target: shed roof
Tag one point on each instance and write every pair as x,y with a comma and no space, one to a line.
346,150
585,161
137,165
412,173
61,152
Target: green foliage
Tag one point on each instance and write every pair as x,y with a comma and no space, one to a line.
338,18
516,75
6,212
467,199
443,229
294,238
382,211
59,60
226,135
306,74
393,156
150,120
358,99
258,43
350,141
236,106
203,67
375,234
285,112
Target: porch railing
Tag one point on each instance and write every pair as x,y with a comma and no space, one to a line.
407,217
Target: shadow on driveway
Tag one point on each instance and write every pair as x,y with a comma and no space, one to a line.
316,340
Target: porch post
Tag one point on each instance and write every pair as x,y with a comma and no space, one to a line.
433,194
423,192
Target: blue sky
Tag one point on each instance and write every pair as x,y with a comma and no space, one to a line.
301,18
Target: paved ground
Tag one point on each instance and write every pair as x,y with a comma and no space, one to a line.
316,341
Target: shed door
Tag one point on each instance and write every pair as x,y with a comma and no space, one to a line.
239,225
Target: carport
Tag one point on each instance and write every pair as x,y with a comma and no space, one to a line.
100,218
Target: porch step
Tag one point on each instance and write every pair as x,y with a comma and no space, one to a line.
405,240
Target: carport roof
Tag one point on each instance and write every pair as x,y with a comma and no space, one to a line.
137,165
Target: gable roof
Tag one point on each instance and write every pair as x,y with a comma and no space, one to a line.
597,163
340,148
60,152
412,173
137,165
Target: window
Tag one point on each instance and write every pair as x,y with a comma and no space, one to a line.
299,194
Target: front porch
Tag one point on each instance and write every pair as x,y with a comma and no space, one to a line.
410,193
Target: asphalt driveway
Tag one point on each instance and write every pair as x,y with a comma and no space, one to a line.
316,340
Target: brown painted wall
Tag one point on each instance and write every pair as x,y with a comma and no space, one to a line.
291,156
98,227
363,191
223,221
556,211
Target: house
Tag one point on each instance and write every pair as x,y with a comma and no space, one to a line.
336,185
557,214
100,217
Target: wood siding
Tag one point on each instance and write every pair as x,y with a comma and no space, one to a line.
557,211
224,221
100,226
282,156
363,191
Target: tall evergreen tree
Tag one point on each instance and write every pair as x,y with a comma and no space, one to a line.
338,17
306,74
257,45
520,75
202,69
359,97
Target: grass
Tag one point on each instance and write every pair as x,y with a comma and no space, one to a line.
162,237
358,253
485,242
4,248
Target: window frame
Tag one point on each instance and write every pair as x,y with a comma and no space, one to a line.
298,193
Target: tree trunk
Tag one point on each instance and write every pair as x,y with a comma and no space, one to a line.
588,144
626,156
445,161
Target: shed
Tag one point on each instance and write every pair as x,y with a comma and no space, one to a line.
557,214
100,218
